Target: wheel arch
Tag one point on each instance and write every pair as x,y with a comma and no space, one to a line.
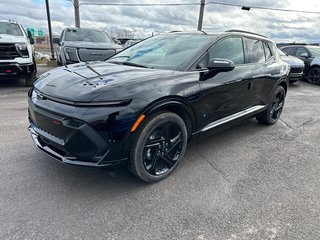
175,105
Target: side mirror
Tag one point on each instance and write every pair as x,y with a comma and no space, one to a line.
31,40
220,65
304,55
56,41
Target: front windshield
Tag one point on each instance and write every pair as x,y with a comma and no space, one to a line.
83,35
10,28
315,51
167,51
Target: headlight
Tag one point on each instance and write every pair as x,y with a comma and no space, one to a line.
71,54
22,49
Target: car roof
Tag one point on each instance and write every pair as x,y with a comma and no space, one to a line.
226,33
86,29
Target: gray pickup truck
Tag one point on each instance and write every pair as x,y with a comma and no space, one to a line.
82,45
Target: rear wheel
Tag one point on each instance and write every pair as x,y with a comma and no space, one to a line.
159,147
314,75
274,110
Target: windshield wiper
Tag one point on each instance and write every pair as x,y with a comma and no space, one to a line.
133,64
119,57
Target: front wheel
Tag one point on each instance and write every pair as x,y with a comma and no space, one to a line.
158,147
275,107
314,75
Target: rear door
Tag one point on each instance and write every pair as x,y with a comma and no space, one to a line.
264,70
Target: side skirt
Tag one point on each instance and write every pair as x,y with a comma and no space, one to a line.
234,116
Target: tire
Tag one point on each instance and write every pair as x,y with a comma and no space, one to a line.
43,60
314,75
275,107
158,147
30,78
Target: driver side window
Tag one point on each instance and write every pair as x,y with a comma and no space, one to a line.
228,48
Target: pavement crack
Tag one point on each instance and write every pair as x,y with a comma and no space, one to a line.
213,165
285,123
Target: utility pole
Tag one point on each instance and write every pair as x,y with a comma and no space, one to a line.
50,30
76,13
201,15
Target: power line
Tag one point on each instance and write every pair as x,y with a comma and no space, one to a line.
139,4
264,8
195,4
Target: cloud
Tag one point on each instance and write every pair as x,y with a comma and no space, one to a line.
281,26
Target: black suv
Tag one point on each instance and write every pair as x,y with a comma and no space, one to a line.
143,105
82,45
311,57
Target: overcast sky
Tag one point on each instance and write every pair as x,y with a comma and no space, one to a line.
280,26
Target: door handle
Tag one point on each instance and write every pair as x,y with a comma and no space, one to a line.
250,85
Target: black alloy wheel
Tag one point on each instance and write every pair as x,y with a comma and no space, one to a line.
159,147
314,75
275,107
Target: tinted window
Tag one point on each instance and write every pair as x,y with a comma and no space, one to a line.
289,50
255,51
267,51
230,48
300,51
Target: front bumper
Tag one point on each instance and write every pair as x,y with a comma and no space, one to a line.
295,74
72,141
14,70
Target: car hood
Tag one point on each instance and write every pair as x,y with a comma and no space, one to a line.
99,81
6,38
93,45
293,61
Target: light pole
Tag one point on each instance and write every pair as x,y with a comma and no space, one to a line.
76,13
76,6
50,30
201,15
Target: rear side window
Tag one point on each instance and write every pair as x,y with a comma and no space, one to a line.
228,48
255,51
267,50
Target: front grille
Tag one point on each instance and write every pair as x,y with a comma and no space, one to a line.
95,54
8,51
296,70
50,125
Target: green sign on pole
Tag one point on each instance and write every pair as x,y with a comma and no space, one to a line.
31,30
40,33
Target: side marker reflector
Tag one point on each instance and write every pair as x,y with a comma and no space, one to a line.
137,123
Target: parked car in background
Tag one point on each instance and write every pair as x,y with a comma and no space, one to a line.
144,104
41,57
16,52
297,66
311,57
81,45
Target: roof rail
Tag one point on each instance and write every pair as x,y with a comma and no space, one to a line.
177,31
241,31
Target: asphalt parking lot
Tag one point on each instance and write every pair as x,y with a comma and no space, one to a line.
249,182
